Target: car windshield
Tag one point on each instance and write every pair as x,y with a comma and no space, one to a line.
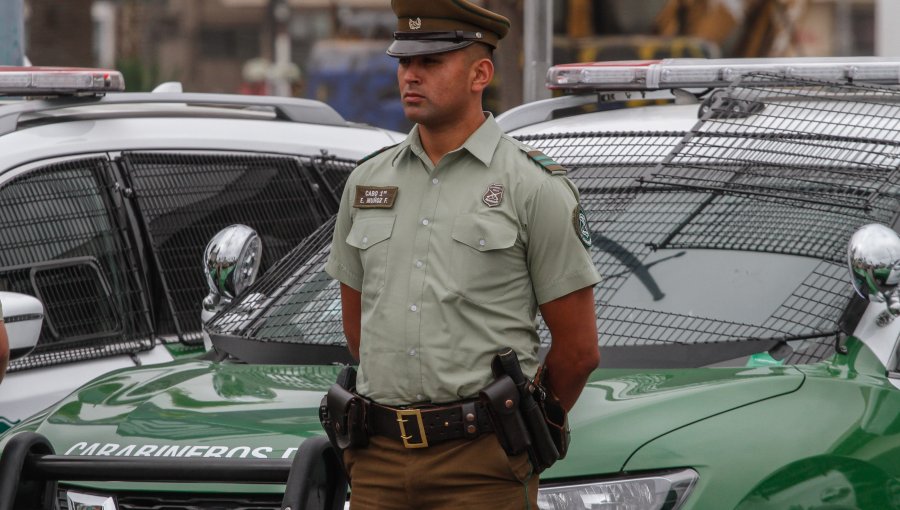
714,244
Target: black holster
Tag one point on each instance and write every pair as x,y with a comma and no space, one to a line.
502,401
524,416
343,414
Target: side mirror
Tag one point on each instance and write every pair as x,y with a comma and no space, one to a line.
23,316
874,258
230,264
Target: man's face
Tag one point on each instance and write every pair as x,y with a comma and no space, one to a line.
436,89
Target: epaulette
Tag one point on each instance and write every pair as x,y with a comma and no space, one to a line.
379,151
546,163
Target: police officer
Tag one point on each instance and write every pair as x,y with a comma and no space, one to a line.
446,245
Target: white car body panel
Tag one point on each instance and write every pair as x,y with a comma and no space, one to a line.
92,136
25,393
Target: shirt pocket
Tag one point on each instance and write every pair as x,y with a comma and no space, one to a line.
484,256
371,236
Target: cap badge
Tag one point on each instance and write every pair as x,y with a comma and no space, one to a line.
415,24
493,196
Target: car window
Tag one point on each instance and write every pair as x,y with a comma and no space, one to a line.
63,242
184,198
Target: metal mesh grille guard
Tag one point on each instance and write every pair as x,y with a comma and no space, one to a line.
67,239
62,241
797,176
821,158
280,197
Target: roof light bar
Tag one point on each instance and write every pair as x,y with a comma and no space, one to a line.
65,81
703,73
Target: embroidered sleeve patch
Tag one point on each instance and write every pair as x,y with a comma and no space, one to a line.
548,164
375,197
579,220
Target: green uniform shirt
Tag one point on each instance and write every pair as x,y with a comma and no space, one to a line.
452,261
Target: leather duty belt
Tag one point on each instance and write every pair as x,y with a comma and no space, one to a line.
421,427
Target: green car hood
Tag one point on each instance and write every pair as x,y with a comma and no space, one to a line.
192,409
621,410
206,409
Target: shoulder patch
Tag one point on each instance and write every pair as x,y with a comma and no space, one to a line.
379,151
582,229
546,163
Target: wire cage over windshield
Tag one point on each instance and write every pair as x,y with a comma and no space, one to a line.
782,172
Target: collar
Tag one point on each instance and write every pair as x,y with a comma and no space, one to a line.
482,143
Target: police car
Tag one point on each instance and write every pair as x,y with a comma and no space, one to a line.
108,198
743,214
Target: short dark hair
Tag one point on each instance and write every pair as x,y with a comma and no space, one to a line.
486,50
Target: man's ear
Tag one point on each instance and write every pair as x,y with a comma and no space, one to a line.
482,74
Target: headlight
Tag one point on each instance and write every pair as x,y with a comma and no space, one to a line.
81,501
649,491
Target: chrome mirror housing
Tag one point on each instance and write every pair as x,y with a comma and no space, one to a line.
230,264
23,316
874,258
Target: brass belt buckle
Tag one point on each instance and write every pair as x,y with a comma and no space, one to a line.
401,413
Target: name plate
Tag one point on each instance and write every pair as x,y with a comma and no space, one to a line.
375,197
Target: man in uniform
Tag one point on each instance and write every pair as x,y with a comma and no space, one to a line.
446,245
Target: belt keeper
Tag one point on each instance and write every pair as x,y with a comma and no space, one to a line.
470,420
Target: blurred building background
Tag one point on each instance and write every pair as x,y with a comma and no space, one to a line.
333,50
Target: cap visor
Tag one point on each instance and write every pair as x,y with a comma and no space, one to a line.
409,48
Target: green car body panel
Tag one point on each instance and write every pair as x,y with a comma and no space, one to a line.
845,411
626,421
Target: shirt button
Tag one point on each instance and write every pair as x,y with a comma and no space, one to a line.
365,240
425,221
480,242
413,308
435,181
412,352
420,264
420,397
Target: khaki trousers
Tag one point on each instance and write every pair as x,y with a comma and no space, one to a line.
460,474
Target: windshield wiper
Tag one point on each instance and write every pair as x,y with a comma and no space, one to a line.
256,352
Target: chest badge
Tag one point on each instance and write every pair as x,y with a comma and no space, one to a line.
493,196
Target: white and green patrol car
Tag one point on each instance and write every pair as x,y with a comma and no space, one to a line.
108,198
